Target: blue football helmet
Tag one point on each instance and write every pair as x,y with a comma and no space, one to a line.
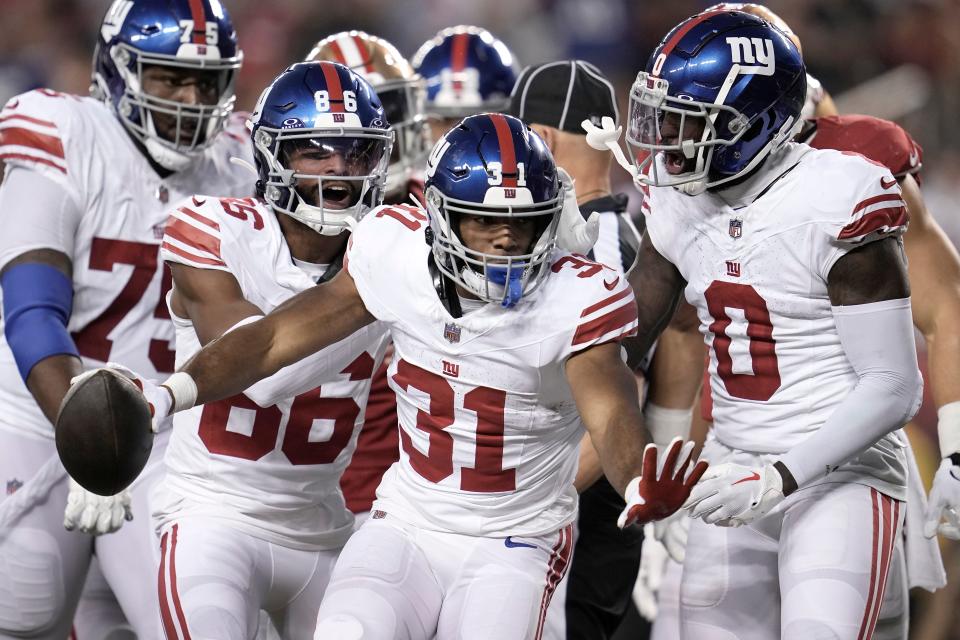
327,115
492,165
721,91
179,34
467,71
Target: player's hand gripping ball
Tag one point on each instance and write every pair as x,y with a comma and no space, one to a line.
103,431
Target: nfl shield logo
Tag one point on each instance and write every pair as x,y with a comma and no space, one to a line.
736,228
339,117
451,332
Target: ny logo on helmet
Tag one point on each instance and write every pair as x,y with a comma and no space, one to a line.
752,51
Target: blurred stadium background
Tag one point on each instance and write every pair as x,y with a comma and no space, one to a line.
897,59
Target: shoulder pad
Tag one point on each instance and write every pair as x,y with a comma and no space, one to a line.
33,127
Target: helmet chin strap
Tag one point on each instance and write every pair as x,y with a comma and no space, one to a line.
307,214
163,155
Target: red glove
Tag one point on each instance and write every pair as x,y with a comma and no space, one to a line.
663,485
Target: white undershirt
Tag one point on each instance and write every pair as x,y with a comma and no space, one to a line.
312,269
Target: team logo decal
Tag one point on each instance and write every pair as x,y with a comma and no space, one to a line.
736,228
451,332
13,485
451,369
754,55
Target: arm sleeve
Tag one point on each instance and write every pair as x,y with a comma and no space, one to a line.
35,213
878,341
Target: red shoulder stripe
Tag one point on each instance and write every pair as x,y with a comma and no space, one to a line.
19,116
199,218
890,218
886,197
192,236
191,257
605,302
607,323
23,156
29,138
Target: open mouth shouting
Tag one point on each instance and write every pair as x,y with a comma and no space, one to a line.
339,194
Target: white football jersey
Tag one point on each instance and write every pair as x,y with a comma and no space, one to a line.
757,275
272,469
489,430
119,313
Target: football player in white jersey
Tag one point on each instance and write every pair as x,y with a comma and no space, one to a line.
250,511
933,269
793,261
89,182
504,348
401,91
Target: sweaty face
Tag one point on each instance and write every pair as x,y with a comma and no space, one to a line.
671,134
339,158
497,235
189,87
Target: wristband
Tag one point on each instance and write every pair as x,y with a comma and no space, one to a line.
183,389
666,424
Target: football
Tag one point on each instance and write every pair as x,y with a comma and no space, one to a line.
103,432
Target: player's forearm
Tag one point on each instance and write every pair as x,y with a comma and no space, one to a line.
943,356
878,341
233,362
943,360
589,469
657,286
620,447
49,381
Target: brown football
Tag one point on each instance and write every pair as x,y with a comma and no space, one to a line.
103,432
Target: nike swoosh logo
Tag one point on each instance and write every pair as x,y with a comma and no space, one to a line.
611,285
198,203
755,476
887,185
510,544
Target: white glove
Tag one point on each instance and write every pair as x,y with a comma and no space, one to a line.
653,564
606,137
95,514
731,495
601,137
672,532
157,397
944,502
575,234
